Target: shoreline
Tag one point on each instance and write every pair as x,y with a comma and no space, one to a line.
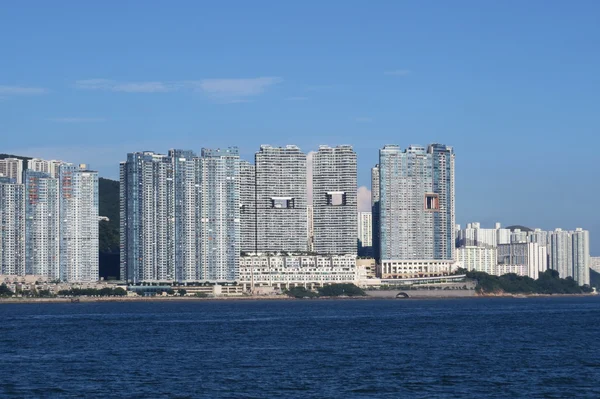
271,298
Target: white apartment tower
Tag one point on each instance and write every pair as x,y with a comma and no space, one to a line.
147,253
334,200
78,192
12,227
218,178
12,168
365,229
42,225
281,199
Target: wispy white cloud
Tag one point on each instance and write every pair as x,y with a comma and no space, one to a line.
364,199
21,91
398,72
127,87
222,90
237,89
77,120
363,119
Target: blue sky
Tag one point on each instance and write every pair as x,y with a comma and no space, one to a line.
514,86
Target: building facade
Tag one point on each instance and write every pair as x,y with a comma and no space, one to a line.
365,229
12,227
218,176
42,225
297,270
375,212
335,200
247,207
78,191
146,221
281,199
481,259
417,219
12,168
532,256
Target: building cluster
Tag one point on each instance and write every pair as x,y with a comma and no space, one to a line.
192,218
216,218
48,220
500,251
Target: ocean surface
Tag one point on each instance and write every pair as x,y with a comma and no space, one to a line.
460,348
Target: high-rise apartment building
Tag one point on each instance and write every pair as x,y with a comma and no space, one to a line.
570,254
375,211
42,225
335,200
12,168
247,207
182,208
417,216
146,218
281,199
365,234
532,256
78,192
218,176
12,227
581,256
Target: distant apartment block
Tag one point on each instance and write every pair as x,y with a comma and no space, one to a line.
475,258
12,168
12,227
41,165
335,200
365,234
532,256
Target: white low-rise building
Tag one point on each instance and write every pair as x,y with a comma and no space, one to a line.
296,270
481,259
397,269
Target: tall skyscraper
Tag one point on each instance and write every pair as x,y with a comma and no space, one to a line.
247,207
281,222
417,203
146,218
581,256
12,227
335,200
219,181
561,253
42,225
375,211
78,191
182,200
12,168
